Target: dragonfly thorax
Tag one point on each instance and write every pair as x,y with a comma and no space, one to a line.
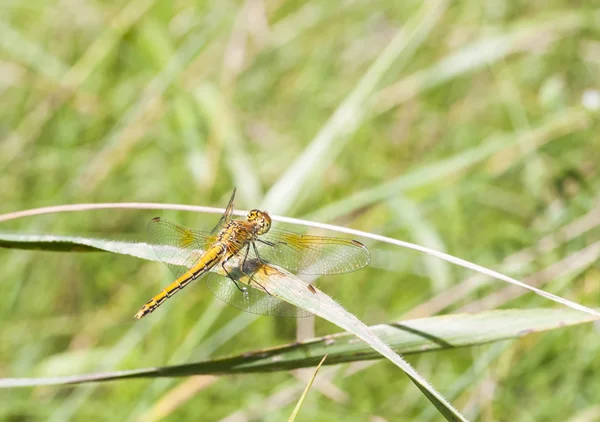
260,221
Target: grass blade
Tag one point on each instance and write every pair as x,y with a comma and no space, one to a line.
553,127
287,287
480,54
406,337
332,137
142,249
225,127
310,383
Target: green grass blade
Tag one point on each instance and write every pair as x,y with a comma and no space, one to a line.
72,78
226,129
406,337
411,218
568,121
485,52
303,396
287,287
283,285
142,250
30,53
54,243
332,138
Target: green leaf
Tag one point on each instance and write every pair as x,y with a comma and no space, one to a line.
335,134
303,396
406,337
278,283
552,127
58,243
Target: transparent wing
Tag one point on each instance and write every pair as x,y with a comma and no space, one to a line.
226,215
304,254
253,300
177,246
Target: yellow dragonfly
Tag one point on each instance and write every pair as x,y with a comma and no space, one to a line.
191,254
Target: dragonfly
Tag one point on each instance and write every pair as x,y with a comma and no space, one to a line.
192,254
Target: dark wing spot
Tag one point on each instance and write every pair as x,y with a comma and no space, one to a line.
156,219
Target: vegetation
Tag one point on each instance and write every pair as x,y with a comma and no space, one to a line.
469,128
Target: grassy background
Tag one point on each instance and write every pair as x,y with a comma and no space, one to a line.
479,138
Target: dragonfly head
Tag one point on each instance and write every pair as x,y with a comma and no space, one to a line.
261,221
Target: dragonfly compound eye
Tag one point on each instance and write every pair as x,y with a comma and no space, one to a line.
261,221
265,221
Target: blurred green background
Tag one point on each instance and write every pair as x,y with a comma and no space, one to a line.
468,127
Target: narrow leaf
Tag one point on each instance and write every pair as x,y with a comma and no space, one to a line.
58,243
408,337
303,396
283,285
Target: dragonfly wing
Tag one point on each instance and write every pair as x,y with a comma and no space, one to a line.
252,300
226,215
305,254
177,246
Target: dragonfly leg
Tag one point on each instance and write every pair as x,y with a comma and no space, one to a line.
256,250
250,277
245,257
264,288
261,261
266,242
231,278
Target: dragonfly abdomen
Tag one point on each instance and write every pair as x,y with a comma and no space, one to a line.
208,260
